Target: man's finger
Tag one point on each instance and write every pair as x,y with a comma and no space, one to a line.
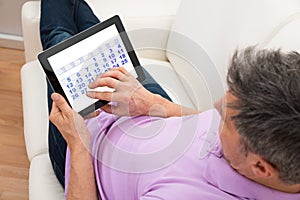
92,115
61,104
54,108
115,73
55,112
121,69
106,81
124,71
106,96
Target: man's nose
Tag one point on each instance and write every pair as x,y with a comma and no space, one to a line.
218,104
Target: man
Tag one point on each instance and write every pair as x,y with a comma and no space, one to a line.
110,157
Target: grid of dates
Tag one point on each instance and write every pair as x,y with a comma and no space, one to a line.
109,55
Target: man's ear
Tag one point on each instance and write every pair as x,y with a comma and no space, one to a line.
260,167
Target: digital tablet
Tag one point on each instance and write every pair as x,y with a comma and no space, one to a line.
73,64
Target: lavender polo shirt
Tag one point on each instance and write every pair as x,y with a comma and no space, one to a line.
174,158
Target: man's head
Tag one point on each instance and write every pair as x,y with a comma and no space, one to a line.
261,125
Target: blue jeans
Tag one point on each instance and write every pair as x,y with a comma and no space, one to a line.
61,19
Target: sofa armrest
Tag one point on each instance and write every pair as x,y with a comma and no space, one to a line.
43,183
35,111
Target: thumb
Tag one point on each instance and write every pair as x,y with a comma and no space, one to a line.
61,104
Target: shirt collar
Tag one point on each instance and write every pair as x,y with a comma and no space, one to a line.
220,174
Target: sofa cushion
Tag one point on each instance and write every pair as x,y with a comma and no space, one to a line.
290,30
157,15
165,75
134,8
146,22
205,34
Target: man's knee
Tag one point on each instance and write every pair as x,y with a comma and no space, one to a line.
53,36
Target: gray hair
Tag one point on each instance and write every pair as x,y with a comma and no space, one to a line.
267,86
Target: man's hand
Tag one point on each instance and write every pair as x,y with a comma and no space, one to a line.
130,97
69,123
81,183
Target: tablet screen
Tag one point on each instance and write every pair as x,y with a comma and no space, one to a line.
78,65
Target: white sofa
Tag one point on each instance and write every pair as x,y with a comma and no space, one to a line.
185,44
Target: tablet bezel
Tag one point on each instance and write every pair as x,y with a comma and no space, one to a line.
43,57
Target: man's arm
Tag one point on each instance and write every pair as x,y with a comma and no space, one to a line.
162,107
72,127
132,98
82,179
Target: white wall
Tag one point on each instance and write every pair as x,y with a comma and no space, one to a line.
10,23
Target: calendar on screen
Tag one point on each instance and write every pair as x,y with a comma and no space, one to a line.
88,67
78,65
